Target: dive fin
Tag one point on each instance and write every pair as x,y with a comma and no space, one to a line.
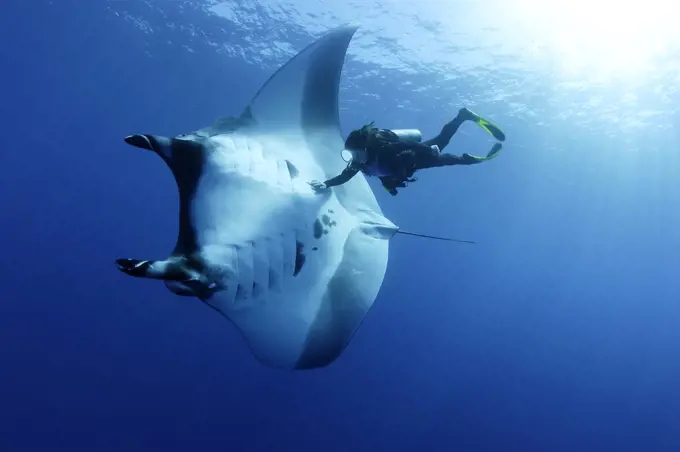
492,128
485,124
491,154
494,151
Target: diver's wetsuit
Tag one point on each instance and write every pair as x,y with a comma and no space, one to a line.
403,158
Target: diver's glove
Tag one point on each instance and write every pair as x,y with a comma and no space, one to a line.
318,186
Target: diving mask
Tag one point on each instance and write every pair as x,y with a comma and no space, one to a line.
354,155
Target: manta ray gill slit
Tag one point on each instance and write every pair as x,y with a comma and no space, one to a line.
300,257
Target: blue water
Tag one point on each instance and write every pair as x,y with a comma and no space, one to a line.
557,331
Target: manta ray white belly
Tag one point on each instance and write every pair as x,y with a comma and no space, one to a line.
274,268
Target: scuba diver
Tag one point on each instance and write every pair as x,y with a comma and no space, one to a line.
395,155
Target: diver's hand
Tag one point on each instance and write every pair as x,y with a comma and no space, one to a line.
318,186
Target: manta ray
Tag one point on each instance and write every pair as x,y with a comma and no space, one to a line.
294,270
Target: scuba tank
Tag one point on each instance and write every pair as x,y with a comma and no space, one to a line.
408,134
414,135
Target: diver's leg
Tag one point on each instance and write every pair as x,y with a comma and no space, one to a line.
434,159
447,131
451,128
450,159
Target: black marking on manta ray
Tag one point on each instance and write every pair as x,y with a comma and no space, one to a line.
318,229
328,221
299,257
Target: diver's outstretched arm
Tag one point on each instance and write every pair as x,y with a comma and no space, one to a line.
343,177
340,179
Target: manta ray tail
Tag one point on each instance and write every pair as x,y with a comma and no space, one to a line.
434,237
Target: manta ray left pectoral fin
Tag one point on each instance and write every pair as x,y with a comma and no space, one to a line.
178,277
168,270
156,143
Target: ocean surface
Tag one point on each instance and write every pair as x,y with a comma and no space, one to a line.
559,330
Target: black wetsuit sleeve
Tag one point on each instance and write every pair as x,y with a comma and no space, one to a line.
343,177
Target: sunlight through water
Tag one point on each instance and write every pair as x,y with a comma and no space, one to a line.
607,39
546,62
